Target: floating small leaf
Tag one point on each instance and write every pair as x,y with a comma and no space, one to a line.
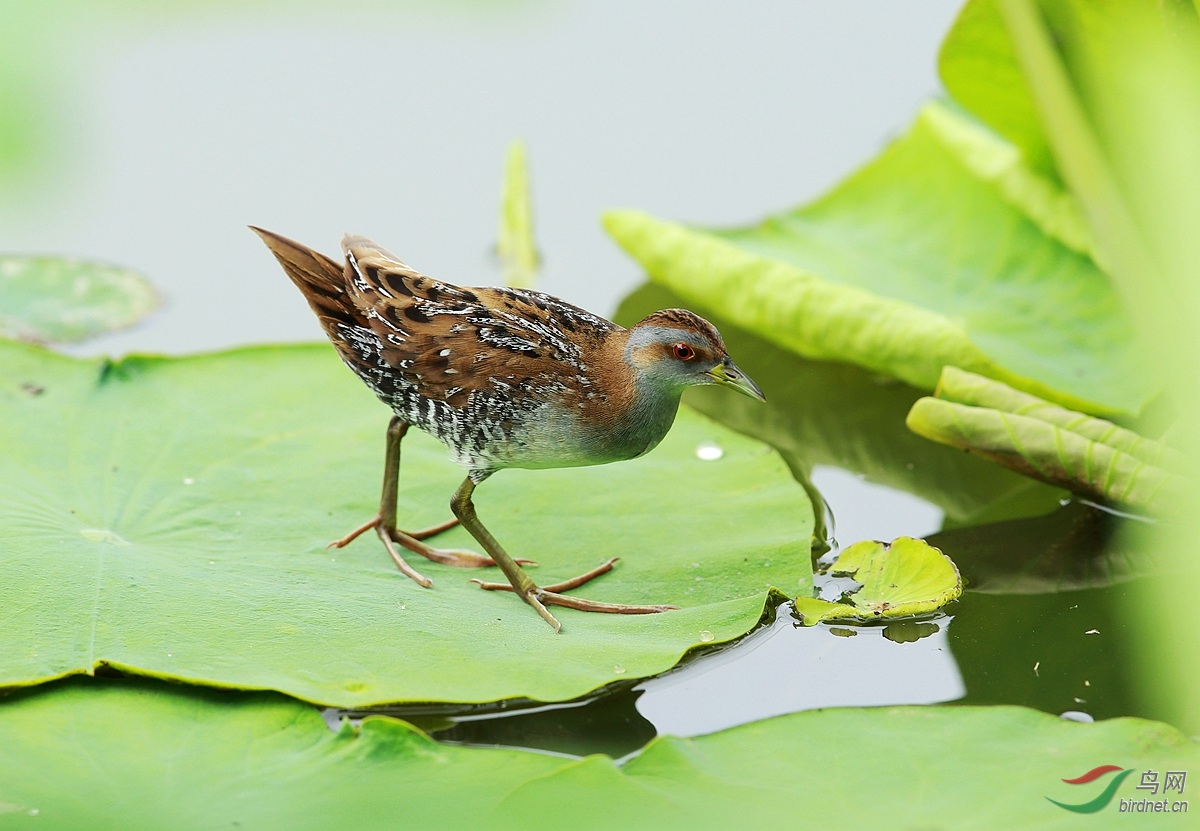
904,578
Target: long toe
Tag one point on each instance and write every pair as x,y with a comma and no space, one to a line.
576,582
563,586
405,569
540,598
565,600
433,530
461,558
531,598
373,522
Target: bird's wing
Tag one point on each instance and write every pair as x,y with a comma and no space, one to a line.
445,341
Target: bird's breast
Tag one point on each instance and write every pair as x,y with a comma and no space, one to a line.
553,436
639,430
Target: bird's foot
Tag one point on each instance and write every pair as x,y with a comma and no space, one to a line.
551,595
375,521
456,557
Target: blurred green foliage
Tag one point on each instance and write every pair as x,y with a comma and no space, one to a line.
1114,87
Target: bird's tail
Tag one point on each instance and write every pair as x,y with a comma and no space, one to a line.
361,247
320,280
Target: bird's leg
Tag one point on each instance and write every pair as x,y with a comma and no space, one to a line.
520,583
384,522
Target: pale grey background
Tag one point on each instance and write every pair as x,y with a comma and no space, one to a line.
393,122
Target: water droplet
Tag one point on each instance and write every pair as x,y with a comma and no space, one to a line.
618,669
709,452
1092,632
706,636
187,480
1077,715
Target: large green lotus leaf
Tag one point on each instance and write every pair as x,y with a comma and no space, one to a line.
912,263
1062,447
132,756
169,517
979,68
974,390
1049,453
990,158
53,299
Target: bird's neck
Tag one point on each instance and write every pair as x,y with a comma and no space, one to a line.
643,410
649,418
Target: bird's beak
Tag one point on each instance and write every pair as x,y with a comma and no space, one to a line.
727,374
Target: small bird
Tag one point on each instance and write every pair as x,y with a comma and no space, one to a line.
504,378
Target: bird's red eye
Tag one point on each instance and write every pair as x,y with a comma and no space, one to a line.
683,352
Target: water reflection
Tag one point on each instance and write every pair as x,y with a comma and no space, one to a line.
609,723
1036,650
789,667
1078,546
782,667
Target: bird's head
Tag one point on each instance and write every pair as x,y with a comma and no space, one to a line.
676,348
